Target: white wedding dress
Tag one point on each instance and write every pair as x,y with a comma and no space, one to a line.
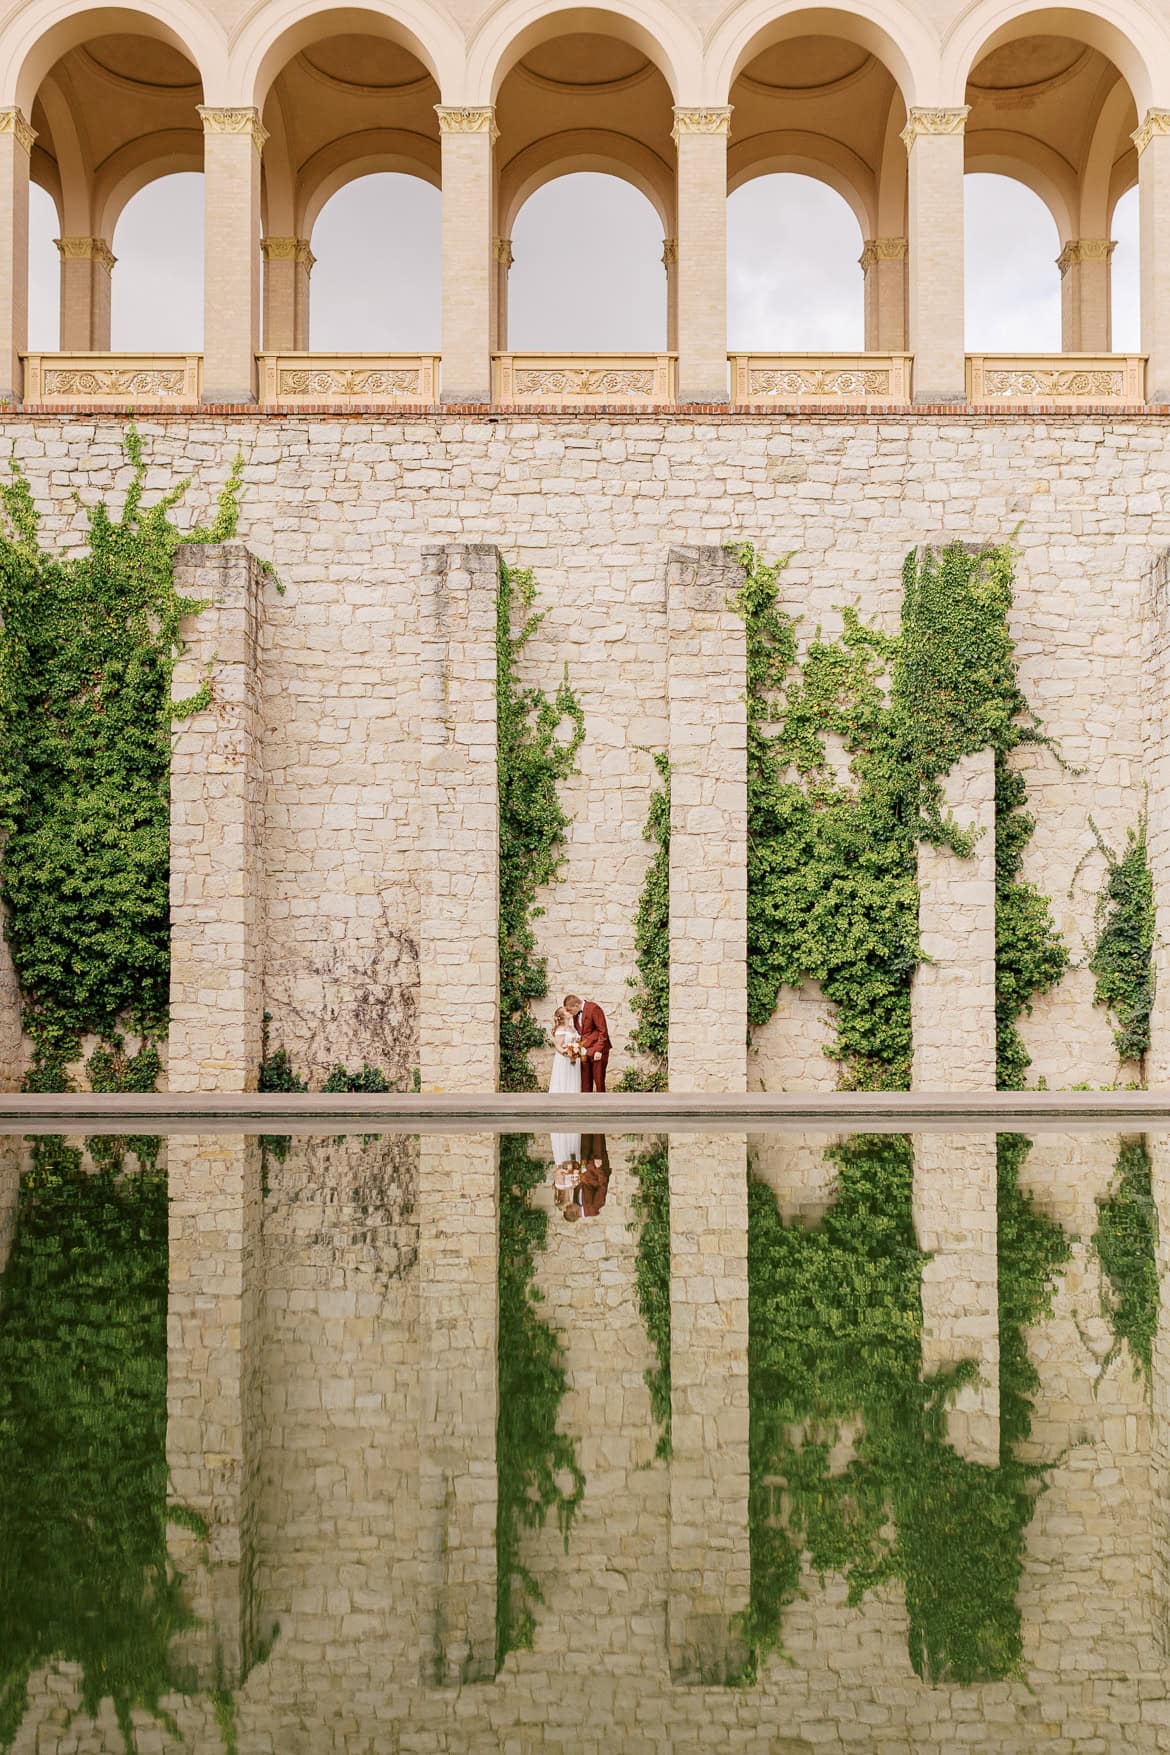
566,1074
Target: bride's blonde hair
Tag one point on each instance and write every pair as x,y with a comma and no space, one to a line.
560,1016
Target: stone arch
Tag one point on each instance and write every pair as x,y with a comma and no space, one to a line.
357,155
1004,153
282,28
136,165
586,149
663,35
1121,30
807,155
65,175
1107,174
38,37
886,28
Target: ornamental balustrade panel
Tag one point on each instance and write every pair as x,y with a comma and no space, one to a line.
289,380
583,379
1022,379
113,380
854,378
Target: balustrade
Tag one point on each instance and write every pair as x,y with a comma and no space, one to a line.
1025,379
585,379
289,379
113,380
820,377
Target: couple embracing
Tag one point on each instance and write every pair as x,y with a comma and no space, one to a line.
581,1040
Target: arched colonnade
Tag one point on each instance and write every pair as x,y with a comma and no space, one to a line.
282,111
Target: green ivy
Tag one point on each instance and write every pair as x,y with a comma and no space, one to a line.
1126,1242
533,1458
84,1573
87,653
533,760
832,861
650,995
1123,956
370,1079
651,1168
835,1339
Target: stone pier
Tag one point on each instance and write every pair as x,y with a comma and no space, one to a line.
12,1149
706,686
459,998
458,1239
955,1210
1155,616
953,988
213,1397
1159,1148
710,1564
217,827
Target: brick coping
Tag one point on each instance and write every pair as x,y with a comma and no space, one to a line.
656,413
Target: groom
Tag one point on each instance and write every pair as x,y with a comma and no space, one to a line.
594,1033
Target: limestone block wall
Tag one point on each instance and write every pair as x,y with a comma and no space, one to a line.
1156,700
344,510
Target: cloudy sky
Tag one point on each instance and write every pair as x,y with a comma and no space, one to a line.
793,278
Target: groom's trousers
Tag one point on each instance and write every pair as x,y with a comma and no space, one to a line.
593,1073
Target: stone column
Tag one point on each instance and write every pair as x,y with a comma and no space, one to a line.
955,1213
459,995
710,1561
214,1395
11,1158
469,265
1152,140
1086,299
86,267
504,260
457,1262
288,263
670,263
953,989
1155,617
16,143
701,138
232,143
217,822
706,683
884,264
934,142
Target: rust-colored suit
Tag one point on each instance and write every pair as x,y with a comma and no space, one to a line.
594,1033
595,1174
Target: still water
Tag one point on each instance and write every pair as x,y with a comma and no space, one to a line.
771,1444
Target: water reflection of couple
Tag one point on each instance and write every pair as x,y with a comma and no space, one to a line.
581,1174
581,1040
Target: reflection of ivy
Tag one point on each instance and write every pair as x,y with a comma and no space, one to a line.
537,1467
651,1167
1126,1243
84,1574
1123,956
532,762
832,860
650,998
835,1353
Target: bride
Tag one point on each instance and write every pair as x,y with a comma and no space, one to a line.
566,1068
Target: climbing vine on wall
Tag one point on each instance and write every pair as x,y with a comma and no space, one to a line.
835,1362
832,844
87,652
1126,1243
1123,955
84,1574
651,1169
533,760
536,1463
650,995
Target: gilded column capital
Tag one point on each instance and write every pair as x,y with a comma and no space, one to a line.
1079,250
502,251
288,250
715,121
14,121
919,122
464,119
669,252
241,121
884,250
1153,123
86,250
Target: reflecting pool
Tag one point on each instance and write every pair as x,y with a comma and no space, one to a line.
460,1443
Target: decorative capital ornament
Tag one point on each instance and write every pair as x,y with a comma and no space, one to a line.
288,250
13,122
701,122
1079,250
669,252
934,122
459,119
242,121
884,250
86,250
502,251
1154,122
